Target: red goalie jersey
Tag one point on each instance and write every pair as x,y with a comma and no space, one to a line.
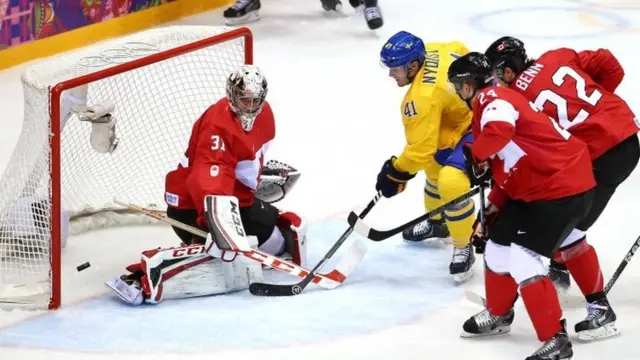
221,159
532,157
577,90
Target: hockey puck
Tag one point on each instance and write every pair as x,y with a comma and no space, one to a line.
83,266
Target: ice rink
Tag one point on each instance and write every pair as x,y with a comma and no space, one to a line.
338,119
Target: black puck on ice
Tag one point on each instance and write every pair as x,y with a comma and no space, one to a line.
83,266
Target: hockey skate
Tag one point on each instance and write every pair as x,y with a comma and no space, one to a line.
559,274
461,266
427,230
558,348
242,12
485,324
600,322
372,14
331,5
357,4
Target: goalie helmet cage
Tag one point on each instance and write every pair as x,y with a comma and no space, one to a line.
159,81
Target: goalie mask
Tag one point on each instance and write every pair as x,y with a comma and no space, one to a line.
247,90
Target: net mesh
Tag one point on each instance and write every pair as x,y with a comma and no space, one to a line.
155,107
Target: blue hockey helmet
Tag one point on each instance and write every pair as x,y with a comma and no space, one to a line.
402,49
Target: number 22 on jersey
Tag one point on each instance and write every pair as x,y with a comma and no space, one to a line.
561,104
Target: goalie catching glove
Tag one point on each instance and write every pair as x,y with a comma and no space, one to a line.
276,181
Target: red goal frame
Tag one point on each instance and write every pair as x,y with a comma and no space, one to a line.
55,93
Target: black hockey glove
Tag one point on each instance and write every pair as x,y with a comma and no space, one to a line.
392,181
479,171
480,234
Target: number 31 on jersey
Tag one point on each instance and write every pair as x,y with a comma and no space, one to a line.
217,143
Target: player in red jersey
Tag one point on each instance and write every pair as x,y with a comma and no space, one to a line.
577,89
214,189
542,188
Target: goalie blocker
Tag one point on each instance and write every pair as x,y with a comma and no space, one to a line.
212,266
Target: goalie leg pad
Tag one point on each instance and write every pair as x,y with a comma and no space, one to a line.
294,230
184,272
225,223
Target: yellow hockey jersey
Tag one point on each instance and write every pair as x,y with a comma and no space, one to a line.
433,115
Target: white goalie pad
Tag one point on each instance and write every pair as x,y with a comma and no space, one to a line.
184,272
225,224
213,277
276,181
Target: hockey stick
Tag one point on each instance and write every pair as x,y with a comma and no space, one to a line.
264,289
328,281
378,235
623,264
579,300
482,205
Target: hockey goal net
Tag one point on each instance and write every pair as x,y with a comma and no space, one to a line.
69,165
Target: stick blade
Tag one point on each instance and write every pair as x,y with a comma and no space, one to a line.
264,289
348,262
359,225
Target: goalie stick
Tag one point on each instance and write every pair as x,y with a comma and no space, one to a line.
574,300
264,289
329,280
378,235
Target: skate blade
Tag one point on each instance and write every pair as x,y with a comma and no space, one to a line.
249,18
499,331
430,242
601,333
463,277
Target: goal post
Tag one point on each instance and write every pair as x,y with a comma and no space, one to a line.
103,122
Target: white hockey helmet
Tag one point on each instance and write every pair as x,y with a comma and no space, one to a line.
246,91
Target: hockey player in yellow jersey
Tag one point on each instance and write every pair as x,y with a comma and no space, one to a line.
437,124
